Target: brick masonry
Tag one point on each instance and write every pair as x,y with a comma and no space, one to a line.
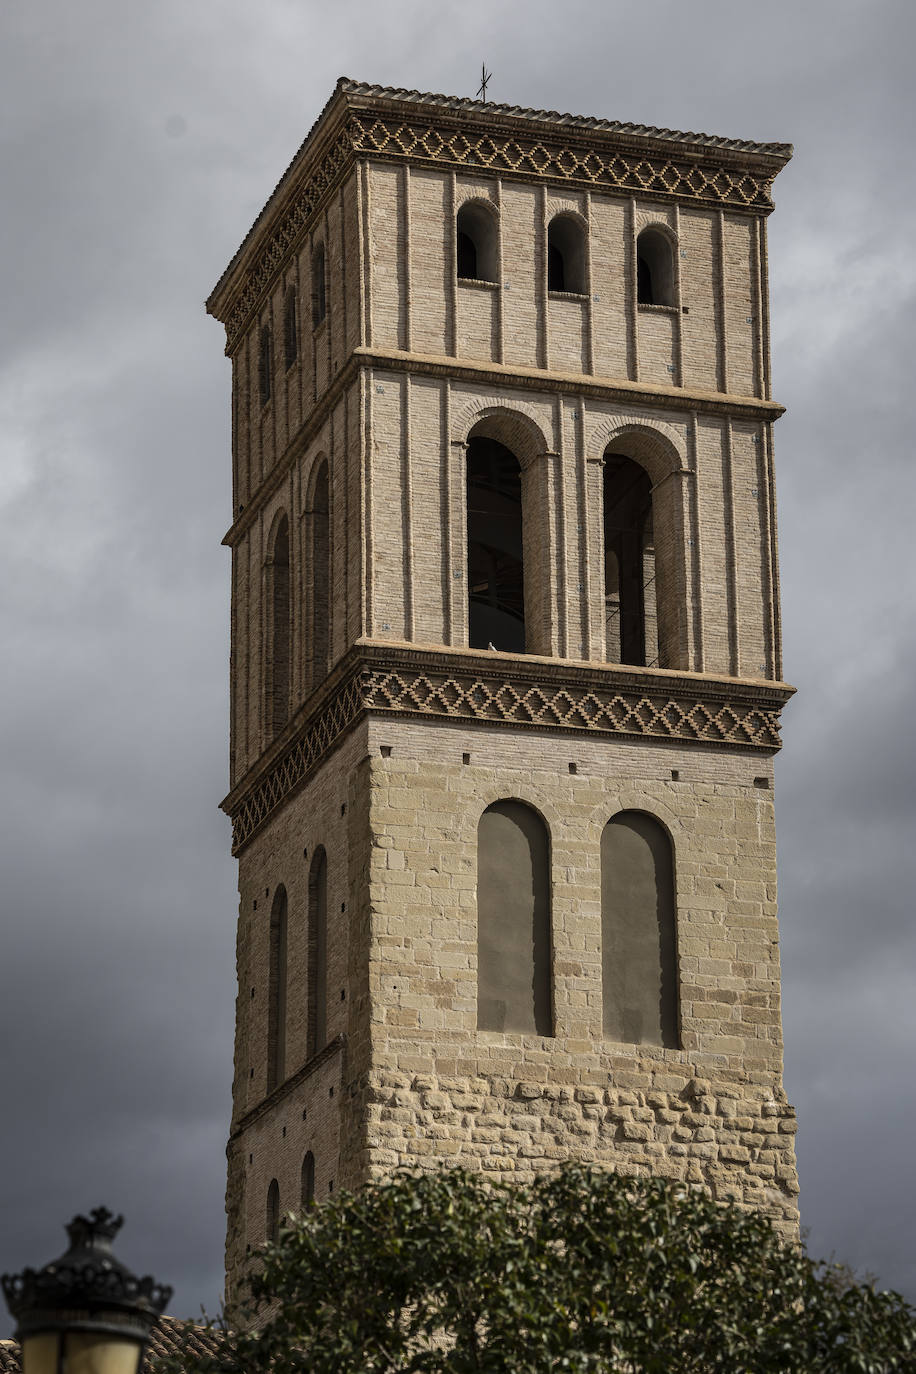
408,362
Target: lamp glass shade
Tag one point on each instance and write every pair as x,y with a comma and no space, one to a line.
39,1352
87,1352
84,1352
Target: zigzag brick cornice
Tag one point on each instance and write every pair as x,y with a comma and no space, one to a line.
362,121
511,691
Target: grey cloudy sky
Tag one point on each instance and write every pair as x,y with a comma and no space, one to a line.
138,141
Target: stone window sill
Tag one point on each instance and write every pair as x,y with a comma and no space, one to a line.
567,296
478,282
658,309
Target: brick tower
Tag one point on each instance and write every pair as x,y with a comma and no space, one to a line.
506,677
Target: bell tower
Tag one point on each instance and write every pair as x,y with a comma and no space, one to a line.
505,674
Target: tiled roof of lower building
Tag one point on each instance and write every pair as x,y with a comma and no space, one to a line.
168,1337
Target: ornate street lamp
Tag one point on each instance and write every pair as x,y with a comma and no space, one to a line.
84,1313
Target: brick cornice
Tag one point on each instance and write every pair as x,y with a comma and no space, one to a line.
499,376
514,691
534,146
284,1089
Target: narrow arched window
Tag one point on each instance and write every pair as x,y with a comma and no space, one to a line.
290,327
276,991
320,577
264,378
513,920
319,286
272,1228
629,563
307,1181
278,676
638,936
317,1029
496,577
566,266
655,284
477,247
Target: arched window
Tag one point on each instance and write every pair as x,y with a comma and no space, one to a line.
638,938
290,327
655,283
272,1228
264,364
477,246
276,991
629,563
496,579
318,954
307,1181
513,920
319,592
278,675
319,286
566,255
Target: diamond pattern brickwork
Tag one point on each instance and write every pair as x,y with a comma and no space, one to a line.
656,708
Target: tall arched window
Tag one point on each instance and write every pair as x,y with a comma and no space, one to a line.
290,327
513,920
638,935
264,378
276,991
477,247
319,286
566,268
655,283
319,592
496,579
318,954
307,1182
278,676
272,1228
629,563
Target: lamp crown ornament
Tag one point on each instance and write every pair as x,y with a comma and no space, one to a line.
87,1291
97,1230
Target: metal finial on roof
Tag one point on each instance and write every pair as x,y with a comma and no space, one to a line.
484,78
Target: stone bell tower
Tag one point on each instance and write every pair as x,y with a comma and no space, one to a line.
506,673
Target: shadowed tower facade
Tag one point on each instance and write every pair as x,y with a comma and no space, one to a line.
506,674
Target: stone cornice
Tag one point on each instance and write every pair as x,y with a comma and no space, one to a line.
537,146
524,379
515,691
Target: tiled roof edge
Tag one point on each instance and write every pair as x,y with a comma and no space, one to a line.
584,122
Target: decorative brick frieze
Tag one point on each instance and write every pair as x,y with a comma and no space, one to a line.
496,689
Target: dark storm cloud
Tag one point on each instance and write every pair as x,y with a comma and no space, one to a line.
138,144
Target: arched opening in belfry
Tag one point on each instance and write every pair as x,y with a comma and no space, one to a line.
631,617
513,920
566,255
496,574
319,587
655,284
278,596
276,991
477,242
638,932
319,286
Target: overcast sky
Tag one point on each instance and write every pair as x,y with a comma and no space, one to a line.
139,140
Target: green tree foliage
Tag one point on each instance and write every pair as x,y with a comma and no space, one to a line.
579,1271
